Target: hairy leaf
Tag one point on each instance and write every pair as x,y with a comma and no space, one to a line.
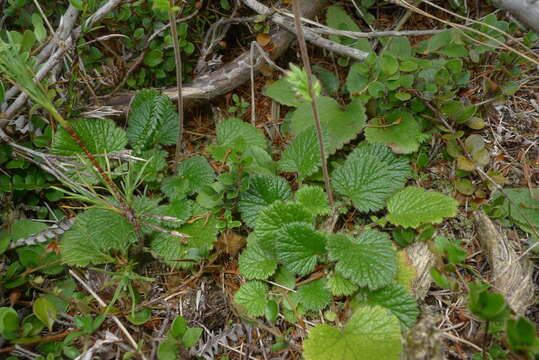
413,206
523,207
152,120
198,173
314,295
93,237
314,199
341,286
298,246
398,165
254,262
234,132
183,253
253,296
303,154
367,181
272,219
396,299
341,126
263,190
368,260
282,92
371,333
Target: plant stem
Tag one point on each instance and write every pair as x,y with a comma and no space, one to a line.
485,341
178,58
317,123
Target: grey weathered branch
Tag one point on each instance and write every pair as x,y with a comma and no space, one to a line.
526,11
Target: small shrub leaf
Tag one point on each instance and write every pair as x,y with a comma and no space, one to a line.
396,299
314,295
314,199
255,263
253,296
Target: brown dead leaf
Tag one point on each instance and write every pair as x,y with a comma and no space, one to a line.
230,243
263,39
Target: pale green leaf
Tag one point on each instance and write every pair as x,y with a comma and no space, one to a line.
369,260
314,295
298,246
314,199
371,333
253,296
234,132
342,126
368,181
413,206
407,272
45,311
94,236
396,299
272,219
341,286
399,130
183,253
152,120
282,92
263,190
254,262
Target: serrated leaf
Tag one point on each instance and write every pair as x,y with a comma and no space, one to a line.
367,181
341,286
100,136
285,277
298,246
398,165
341,126
314,295
282,92
234,133
198,173
369,260
413,206
400,131
253,296
263,190
396,299
183,253
152,120
303,154
371,333
272,219
255,263
95,234
314,199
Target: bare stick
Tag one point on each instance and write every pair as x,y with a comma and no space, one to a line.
114,317
307,65
178,57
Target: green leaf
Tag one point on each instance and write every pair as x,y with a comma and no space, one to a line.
95,234
140,317
254,262
396,299
413,206
197,173
156,162
486,305
45,311
253,296
339,19
39,29
314,295
152,120
178,327
183,253
314,199
371,333
368,181
521,333
341,286
168,348
153,57
272,219
263,190
9,321
303,154
399,130
368,260
100,136
407,272
341,126
237,135
191,336
282,92
522,206
298,246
